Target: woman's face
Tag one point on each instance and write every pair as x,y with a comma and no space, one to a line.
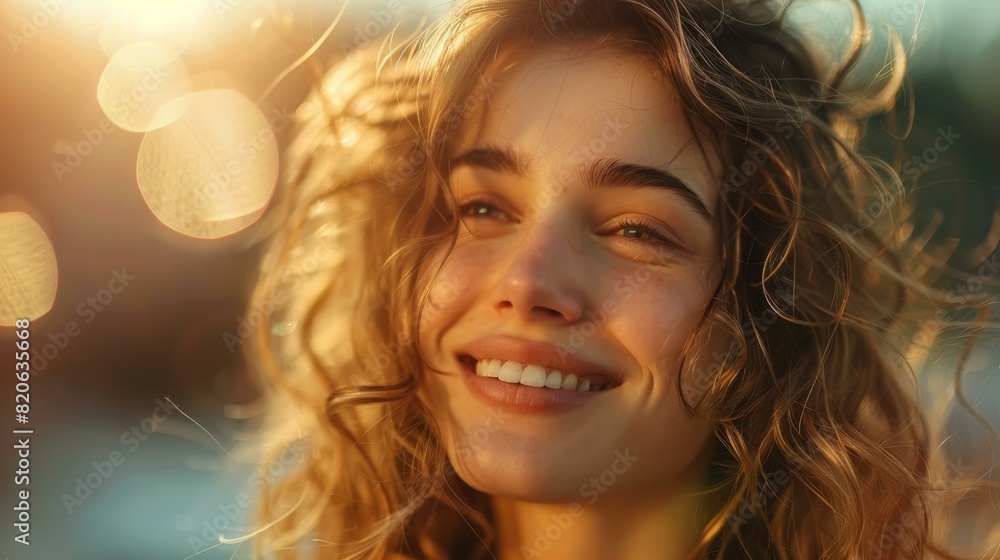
589,247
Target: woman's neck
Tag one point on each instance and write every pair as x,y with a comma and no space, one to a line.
664,523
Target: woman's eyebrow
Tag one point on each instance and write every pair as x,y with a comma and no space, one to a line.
600,174
494,158
605,173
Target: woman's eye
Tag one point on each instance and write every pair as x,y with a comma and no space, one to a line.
642,231
481,209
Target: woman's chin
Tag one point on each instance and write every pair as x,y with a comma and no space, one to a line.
529,475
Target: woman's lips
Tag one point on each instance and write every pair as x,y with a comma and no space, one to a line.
522,398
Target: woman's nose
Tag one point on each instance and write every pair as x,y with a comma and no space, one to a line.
543,277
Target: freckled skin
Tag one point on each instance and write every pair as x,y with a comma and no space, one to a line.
535,270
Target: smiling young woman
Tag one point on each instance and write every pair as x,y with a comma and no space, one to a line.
598,282
637,207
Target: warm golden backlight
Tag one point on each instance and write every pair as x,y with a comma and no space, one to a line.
140,80
28,272
211,172
168,22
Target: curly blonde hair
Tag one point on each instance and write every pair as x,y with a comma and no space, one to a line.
824,450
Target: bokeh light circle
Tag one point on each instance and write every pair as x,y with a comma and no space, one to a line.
28,272
211,172
138,84
167,22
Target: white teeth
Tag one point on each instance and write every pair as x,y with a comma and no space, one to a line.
488,368
569,382
554,380
510,372
531,375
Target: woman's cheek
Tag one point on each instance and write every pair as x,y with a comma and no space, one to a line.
449,293
656,321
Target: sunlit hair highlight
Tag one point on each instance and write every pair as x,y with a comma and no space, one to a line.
821,300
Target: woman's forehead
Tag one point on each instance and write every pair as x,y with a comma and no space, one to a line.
569,108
